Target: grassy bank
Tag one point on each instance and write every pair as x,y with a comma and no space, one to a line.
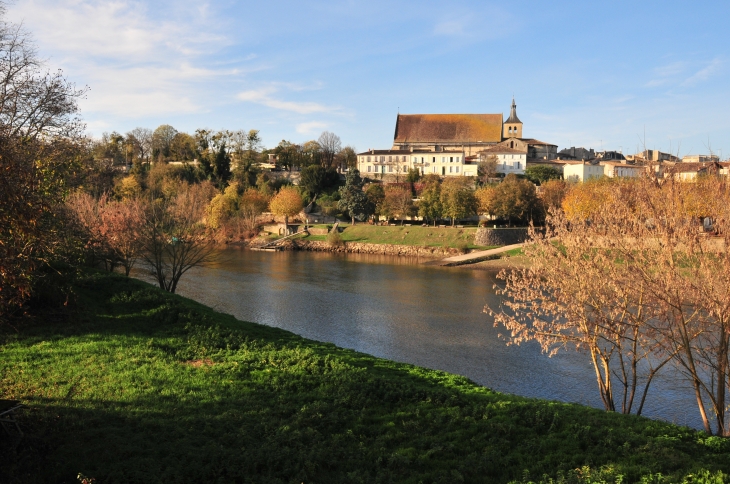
140,386
403,235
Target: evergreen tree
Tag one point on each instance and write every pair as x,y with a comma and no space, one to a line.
352,197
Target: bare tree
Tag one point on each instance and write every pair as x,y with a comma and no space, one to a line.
175,238
330,145
142,141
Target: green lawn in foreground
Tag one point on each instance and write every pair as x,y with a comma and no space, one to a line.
140,386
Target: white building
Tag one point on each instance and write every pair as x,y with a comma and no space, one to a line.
615,169
508,160
581,171
398,162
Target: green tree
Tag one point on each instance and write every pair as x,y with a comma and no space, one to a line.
539,174
222,166
430,207
162,140
457,199
352,197
316,179
413,175
375,195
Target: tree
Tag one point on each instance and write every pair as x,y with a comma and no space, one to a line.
457,199
552,193
398,203
161,140
182,147
141,139
347,158
40,147
430,207
174,236
413,175
515,199
288,202
316,179
485,197
222,166
251,204
375,195
352,197
330,145
539,174
487,168
634,281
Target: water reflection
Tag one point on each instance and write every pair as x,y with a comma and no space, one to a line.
393,308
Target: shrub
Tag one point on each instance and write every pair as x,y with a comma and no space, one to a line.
334,239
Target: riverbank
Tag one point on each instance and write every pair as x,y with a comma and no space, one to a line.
136,385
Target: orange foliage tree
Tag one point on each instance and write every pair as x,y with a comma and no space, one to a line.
288,202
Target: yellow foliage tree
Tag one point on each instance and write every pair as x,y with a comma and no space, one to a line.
288,202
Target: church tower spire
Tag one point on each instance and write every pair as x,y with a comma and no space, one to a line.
513,126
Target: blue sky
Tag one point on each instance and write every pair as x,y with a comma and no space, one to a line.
583,73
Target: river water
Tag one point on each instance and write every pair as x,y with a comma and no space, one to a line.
398,309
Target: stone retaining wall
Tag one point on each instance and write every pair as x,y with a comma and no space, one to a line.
509,236
363,248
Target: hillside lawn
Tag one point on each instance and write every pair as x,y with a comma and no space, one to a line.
415,235
134,385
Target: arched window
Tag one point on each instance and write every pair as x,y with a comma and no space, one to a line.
511,144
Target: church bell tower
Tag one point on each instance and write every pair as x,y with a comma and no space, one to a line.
512,128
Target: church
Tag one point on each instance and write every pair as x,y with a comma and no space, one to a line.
453,144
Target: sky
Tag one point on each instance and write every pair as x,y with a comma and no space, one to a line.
605,75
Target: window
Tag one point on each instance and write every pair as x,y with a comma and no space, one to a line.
390,168
451,160
458,159
382,159
368,159
434,159
390,158
368,168
457,169
415,159
450,169
519,166
422,159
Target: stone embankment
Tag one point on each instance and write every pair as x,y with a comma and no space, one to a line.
364,248
507,236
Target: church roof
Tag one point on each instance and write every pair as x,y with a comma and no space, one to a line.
448,128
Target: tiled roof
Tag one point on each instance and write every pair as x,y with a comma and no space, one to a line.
448,128
618,163
502,149
533,141
409,152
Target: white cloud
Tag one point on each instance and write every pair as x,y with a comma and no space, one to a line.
263,97
137,62
310,127
704,73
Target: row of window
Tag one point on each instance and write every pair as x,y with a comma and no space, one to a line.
390,159
374,169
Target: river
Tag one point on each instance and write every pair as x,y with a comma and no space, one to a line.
398,309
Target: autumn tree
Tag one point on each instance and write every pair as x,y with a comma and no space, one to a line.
633,280
347,158
515,199
398,203
552,193
457,198
485,197
174,238
40,147
288,202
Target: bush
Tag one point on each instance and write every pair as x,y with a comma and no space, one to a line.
462,246
334,239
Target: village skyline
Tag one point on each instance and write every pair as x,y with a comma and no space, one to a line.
610,77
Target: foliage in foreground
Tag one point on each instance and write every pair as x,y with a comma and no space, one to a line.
144,386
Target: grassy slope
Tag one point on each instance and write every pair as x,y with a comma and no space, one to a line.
141,386
414,235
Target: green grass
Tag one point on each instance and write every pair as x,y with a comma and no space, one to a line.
140,386
415,235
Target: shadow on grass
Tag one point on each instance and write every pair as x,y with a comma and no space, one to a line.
147,387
